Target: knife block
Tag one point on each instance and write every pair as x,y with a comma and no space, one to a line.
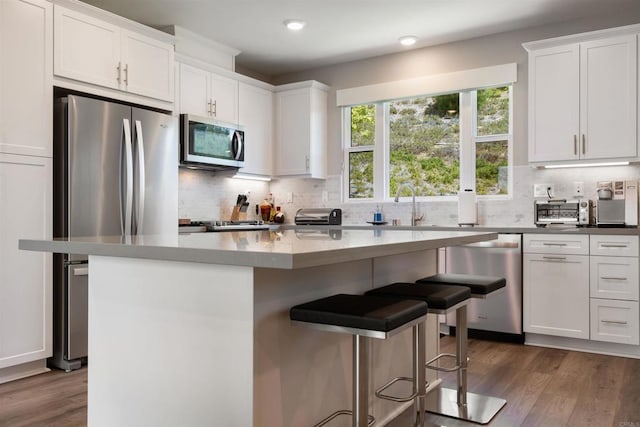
235,213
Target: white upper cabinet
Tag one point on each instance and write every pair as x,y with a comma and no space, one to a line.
26,30
583,100
301,123
207,94
149,66
255,114
91,50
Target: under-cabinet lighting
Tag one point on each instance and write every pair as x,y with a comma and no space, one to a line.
585,165
252,177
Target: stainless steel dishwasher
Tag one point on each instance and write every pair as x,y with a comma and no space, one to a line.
499,316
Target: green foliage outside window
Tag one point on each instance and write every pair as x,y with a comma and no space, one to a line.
424,145
363,125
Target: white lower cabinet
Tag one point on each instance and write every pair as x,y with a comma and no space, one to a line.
615,285
556,285
556,294
614,321
25,277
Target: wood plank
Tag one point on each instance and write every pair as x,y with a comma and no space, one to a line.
543,386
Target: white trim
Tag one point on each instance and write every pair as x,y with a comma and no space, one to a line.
432,85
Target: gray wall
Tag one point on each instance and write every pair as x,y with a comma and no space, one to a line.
474,53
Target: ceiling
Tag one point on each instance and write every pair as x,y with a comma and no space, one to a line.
346,30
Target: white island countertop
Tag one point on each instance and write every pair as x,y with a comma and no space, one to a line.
285,249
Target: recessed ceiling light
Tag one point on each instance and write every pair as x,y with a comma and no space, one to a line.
408,40
295,24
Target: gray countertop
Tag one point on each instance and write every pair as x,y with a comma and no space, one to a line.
285,248
560,229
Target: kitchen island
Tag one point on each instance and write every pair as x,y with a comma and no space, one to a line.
193,329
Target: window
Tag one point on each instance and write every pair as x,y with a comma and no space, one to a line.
440,144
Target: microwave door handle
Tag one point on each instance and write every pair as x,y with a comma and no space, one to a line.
238,145
141,178
126,169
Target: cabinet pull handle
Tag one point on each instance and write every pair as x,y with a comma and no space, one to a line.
613,278
553,244
615,322
575,145
556,258
307,162
584,144
612,245
214,108
126,74
119,68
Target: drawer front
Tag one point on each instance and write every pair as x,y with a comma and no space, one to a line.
556,244
615,321
614,277
614,245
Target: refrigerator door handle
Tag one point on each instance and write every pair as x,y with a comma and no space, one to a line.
141,179
126,200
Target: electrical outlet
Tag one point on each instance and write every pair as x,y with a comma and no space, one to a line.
542,190
325,196
289,197
578,189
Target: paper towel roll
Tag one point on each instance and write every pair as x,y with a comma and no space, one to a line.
467,208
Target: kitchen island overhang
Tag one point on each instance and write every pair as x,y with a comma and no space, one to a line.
194,329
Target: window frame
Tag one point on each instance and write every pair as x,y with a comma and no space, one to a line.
468,142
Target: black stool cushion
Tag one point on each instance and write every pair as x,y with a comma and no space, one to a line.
439,297
360,311
479,285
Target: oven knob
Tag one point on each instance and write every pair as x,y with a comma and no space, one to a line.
583,204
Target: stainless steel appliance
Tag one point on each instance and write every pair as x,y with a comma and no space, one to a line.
568,212
210,144
115,173
617,204
237,225
499,316
318,216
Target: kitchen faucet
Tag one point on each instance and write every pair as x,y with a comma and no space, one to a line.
414,218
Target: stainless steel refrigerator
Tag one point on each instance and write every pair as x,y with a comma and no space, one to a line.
115,173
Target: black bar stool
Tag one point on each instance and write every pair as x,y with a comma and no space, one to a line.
441,299
460,403
365,317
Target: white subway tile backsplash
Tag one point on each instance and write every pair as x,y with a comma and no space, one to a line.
204,195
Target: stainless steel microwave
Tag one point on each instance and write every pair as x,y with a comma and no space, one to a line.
210,144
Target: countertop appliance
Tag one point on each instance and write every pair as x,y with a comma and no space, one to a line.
499,316
567,212
210,144
236,225
115,173
318,216
618,207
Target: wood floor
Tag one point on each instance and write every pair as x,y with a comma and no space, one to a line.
543,387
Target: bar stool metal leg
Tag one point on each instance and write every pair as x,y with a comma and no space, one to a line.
460,403
419,373
361,347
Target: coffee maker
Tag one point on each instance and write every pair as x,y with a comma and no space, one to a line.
617,204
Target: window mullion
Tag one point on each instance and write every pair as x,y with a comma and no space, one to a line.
467,147
380,152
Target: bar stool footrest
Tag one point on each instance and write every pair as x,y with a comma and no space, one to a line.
441,369
479,409
370,419
379,392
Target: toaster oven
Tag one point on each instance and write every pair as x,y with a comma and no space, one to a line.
567,212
